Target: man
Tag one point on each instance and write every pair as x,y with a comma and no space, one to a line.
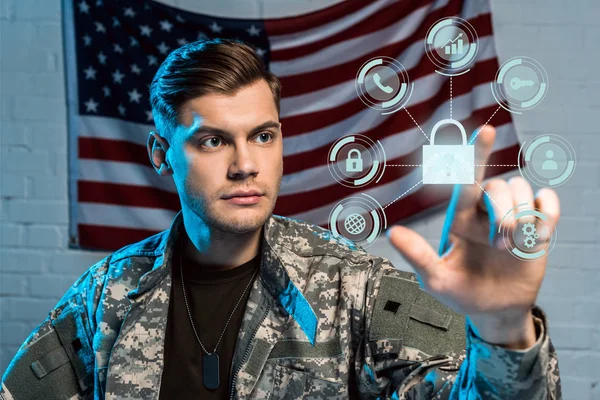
234,302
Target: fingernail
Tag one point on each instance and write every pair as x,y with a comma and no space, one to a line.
389,232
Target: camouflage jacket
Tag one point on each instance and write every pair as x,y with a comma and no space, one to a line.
325,319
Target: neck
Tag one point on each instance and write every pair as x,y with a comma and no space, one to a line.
207,245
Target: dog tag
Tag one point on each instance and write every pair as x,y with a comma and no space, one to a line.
210,370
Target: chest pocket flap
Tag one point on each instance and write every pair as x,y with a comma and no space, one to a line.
404,315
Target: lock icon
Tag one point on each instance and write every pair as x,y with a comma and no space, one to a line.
354,164
448,164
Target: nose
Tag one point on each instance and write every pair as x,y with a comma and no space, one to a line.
243,162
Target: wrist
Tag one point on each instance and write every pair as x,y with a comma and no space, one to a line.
511,332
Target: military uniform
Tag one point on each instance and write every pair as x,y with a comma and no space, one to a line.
324,319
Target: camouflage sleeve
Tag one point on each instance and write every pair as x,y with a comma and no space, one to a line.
56,361
413,347
494,372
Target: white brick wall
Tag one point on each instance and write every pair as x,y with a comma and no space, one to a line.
37,267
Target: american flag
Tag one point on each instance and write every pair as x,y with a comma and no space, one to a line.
113,49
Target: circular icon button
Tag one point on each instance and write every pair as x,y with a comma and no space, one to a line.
356,160
358,218
520,84
382,83
527,233
451,44
547,161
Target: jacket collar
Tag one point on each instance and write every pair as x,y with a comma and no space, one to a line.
283,280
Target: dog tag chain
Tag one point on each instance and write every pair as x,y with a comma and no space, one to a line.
210,361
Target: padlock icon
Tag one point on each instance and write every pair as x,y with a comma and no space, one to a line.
448,164
354,164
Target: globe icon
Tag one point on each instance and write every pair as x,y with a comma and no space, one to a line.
355,223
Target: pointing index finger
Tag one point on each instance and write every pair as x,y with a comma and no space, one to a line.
484,140
467,196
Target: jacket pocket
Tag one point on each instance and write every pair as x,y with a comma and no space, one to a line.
294,384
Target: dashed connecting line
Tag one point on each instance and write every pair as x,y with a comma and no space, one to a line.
450,96
411,117
488,195
473,138
495,165
415,185
477,165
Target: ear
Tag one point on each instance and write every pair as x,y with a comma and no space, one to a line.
157,147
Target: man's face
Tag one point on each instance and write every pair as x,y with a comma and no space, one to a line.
226,144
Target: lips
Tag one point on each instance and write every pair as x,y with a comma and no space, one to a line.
243,193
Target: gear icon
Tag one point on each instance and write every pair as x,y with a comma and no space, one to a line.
528,229
529,242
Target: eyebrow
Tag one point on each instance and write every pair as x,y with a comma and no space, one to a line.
217,131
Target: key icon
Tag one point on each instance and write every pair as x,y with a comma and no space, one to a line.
516,83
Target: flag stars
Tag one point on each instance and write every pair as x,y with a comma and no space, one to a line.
149,116
135,69
145,30
102,58
182,41
133,42
87,40
216,28
116,22
253,31
84,7
128,12
90,73
100,27
152,60
121,109
260,52
134,96
91,106
106,91
166,25
179,18
118,48
202,35
117,76
163,48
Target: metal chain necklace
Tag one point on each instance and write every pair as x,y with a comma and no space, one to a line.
210,361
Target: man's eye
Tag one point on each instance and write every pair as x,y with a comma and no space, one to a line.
266,136
212,141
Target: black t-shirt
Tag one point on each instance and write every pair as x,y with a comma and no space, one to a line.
212,295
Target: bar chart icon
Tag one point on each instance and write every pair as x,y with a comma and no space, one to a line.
454,46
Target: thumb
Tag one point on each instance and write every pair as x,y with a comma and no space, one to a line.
415,249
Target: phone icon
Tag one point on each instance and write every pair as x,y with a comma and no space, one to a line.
377,80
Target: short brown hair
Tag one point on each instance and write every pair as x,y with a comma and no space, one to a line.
205,66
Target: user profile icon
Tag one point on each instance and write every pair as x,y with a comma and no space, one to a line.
521,83
358,218
547,161
382,83
451,44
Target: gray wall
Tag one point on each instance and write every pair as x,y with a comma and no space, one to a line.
37,267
